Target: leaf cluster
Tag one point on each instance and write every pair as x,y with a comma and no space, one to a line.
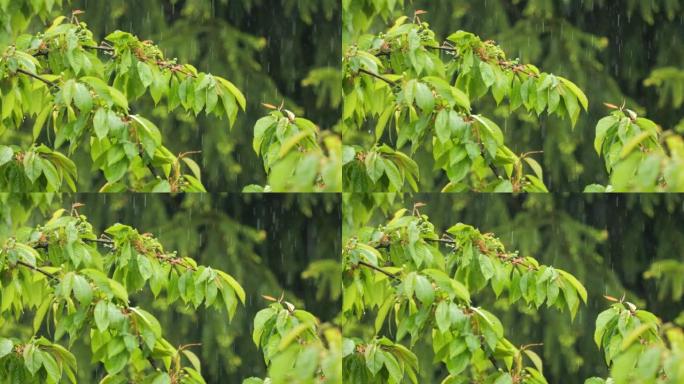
80,286
405,78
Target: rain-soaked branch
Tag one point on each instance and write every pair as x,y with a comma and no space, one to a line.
386,80
100,241
33,267
443,240
442,48
33,75
378,269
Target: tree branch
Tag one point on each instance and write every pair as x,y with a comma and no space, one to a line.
99,48
386,80
378,269
442,48
46,81
100,241
27,265
445,241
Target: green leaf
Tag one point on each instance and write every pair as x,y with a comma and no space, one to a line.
382,122
595,380
67,91
382,313
571,106
32,358
150,136
374,360
260,128
576,284
51,175
162,186
6,346
646,124
242,102
424,290
536,167
601,321
101,316
162,378
82,290
570,295
40,314
145,74
369,253
375,167
32,166
116,363
239,291
118,98
424,97
193,359
53,370
194,167
442,317
393,174
486,266
6,154
442,126
554,100
82,98
260,320
505,378
212,99
602,129
487,73
391,365
576,91
116,171
40,121
100,124
536,360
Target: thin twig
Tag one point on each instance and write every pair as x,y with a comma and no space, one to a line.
494,170
46,81
527,154
386,80
101,241
27,265
445,241
99,48
528,346
442,48
186,346
378,269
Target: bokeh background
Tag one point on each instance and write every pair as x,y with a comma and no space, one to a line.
272,244
273,51
628,51
609,242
